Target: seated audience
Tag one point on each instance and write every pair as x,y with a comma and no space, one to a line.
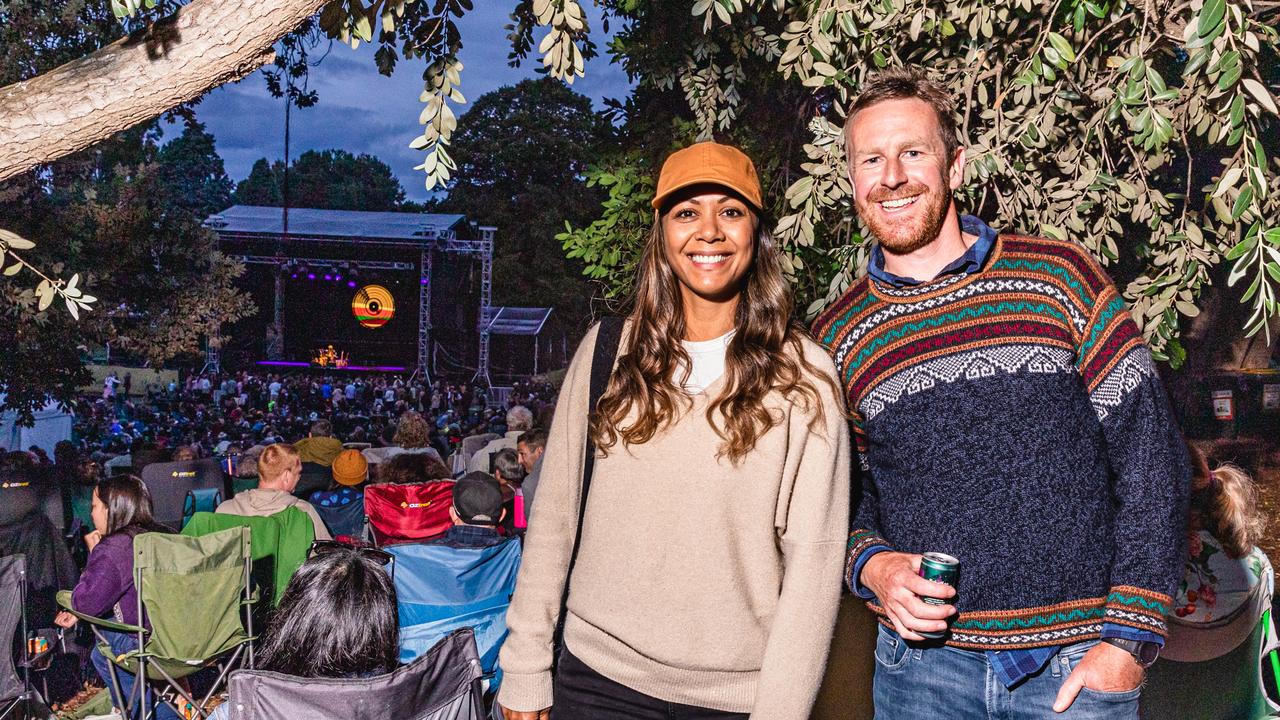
519,420
337,619
531,445
342,505
317,452
476,513
412,436
185,453
121,511
278,471
411,469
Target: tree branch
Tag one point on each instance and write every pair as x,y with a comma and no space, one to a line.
205,44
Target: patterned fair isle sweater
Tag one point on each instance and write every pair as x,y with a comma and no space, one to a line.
1013,418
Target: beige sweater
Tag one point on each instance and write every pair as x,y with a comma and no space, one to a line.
697,582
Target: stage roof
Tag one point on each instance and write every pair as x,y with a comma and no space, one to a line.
518,320
355,225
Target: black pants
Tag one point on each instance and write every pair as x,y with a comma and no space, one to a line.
584,694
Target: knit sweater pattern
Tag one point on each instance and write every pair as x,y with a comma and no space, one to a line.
697,582
1013,418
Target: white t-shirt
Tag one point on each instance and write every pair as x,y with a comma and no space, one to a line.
708,362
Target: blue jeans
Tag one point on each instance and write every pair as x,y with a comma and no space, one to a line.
122,643
922,683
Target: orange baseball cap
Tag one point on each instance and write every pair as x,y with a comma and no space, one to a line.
713,163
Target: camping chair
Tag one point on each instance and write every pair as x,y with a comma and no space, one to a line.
192,591
280,544
342,519
169,484
200,500
15,692
441,588
441,684
404,513
1231,659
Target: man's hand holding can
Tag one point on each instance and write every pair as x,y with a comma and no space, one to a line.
895,579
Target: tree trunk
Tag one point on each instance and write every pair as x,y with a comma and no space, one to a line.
205,44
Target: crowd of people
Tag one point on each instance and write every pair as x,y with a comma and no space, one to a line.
1028,524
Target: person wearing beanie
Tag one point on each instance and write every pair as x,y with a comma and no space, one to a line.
341,506
710,548
476,512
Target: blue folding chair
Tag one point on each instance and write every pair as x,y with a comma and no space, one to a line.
440,589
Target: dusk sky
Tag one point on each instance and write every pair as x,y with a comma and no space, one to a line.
362,111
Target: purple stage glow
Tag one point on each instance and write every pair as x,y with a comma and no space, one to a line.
351,283
328,277
311,276
358,368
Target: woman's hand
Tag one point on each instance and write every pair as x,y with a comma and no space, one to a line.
543,714
92,539
65,619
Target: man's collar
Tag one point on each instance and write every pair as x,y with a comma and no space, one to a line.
970,262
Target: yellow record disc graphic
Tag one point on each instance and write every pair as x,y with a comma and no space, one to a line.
373,306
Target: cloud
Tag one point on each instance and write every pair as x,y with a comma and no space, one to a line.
362,111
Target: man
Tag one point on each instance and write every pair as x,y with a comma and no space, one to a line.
1006,412
476,513
519,419
278,471
530,446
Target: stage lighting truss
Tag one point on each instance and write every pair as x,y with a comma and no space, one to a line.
347,269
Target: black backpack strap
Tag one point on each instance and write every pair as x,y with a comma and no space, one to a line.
608,337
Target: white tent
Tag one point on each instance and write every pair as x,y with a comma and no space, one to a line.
52,424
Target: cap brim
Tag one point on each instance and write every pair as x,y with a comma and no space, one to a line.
716,180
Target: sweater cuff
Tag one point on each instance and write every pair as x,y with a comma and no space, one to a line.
525,693
863,544
1137,608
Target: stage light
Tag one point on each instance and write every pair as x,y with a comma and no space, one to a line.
351,283
423,281
294,276
338,278
328,277
311,276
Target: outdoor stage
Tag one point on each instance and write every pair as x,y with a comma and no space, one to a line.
394,291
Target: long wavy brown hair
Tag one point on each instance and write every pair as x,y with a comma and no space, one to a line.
765,354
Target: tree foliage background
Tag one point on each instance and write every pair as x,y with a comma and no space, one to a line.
124,216
325,179
522,152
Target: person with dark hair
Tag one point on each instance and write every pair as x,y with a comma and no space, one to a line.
1007,414
411,469
336,619
121,512
712,539
510,475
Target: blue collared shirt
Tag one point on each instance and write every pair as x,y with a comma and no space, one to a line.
970,262
1012,666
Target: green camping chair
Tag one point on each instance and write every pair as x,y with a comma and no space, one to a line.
280,544
192,591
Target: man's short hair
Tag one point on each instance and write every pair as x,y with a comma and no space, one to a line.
275,460
535,438
322,428
903,83
507,462
519,418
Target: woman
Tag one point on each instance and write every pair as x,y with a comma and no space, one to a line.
706,584
1212,647
337,619
121,510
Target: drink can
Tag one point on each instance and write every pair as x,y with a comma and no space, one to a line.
229,463
941,568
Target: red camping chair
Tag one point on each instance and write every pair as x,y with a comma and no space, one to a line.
404,513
